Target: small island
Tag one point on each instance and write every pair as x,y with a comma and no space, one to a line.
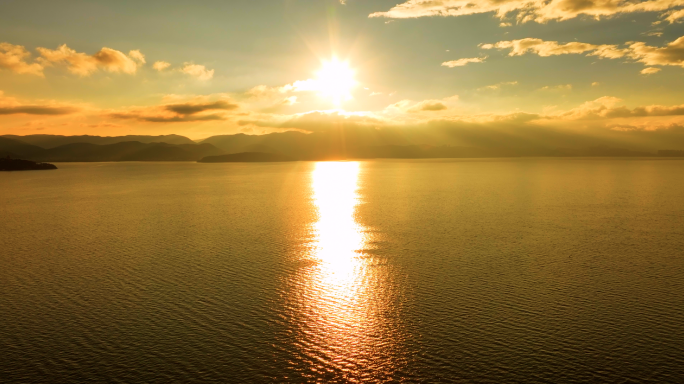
247,157
9,164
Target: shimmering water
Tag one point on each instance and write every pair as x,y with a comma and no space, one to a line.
543,270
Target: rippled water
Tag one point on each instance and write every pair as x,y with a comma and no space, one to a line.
568,270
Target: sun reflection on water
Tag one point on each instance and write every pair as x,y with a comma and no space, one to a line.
338,297
344,299
338,235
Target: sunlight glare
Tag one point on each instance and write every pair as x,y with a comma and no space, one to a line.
336,80
335,195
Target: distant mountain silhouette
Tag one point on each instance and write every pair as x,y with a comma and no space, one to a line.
8,164
247,157
415,144
598,151
15,148
294,144
53,141
424,152
350,142
125,151
670,153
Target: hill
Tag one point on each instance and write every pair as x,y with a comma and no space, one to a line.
670,153
247,157
351,143
15,148
7,164
125,151
53,141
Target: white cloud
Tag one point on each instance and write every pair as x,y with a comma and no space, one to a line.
498,85
137,56
671,54
675,16
161,65
606,107
562,87
650,71
526,10
82,64
13,58
199,71
264,92
552,48
463,62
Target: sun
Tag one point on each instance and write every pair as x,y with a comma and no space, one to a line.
335,81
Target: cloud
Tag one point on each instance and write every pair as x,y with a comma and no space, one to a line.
191,109
82,64
552,48
137,56
498,85
603,112
101,125
199,71
562,87
36,110
602,121
606,108
166,119
671,54
13,106
415,110
13,58
161,65
526,10
264,92
292,100
675,16
428,105
316,121
463,62
649,71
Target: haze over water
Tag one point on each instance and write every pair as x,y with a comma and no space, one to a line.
509,270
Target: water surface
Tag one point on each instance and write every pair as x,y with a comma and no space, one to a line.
534,270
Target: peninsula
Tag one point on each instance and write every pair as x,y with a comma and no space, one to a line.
9,164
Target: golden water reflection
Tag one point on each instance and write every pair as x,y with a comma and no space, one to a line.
338,235
343,334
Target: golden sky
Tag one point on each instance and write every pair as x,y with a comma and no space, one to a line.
221,67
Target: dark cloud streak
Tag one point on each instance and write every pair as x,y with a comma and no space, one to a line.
191,109
36,110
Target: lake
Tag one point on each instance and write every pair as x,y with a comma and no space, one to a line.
483,270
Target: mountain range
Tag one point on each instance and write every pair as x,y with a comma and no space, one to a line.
120,149
331,144
53,141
